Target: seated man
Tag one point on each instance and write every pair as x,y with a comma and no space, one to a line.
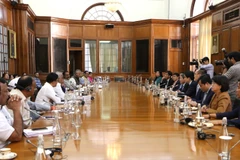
191,91
60,88
37,81
85,77
158,78
183,85
46,95
198,73
10,128
176,82
67,84
25,88
12,83
167,80
76,79
205,84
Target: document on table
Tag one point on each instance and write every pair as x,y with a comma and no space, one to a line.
36,131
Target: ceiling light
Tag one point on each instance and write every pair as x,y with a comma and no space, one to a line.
112,5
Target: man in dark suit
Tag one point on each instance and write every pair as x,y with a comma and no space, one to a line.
167,80
205,97
183,85
176,82
198,73
189,78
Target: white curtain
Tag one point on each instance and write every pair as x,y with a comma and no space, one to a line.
92,48
205,37
108,56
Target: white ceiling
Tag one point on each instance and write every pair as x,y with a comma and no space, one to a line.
132,10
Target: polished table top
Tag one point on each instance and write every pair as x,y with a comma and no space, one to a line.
127,122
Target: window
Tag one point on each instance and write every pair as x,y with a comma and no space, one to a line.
3,50
75,43
176,43
59,54
126,56
199,7
41,53
108,56
142,55
160,55
194,42
90,55
99,12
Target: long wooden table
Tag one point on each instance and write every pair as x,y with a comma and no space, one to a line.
127,122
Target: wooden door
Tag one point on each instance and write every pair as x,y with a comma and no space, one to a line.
76,61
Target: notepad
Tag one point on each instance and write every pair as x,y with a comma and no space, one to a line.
34,133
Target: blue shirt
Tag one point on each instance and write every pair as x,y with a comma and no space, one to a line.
38,82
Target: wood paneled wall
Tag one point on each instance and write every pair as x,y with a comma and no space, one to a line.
49,27
147,29
16,18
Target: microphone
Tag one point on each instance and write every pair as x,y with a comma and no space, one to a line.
52,150
66,135
35,113
30,142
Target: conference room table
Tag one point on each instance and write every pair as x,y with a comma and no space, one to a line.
126,122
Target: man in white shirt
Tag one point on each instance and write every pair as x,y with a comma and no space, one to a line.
13,82
25,88
46,95
58,87
76,79
207,66
67,84
10,128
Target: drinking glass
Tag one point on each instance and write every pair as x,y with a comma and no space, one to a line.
224,152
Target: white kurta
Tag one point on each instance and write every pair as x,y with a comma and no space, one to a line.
27,120
46,94
58,90
6,129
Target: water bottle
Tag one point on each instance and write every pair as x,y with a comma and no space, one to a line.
199,112
77,121
40,154
224,127
162,98
176,109
189,110
57,137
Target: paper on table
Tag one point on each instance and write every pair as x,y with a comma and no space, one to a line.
34,133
